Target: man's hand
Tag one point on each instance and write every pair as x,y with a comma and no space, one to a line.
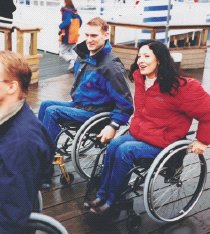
197,147
107,134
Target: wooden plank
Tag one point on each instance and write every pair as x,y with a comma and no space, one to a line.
33,43
204,37
112,34
8,40
127,49
126,56
20,42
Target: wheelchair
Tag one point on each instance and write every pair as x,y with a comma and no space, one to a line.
172,184
40,223
79,142
45,224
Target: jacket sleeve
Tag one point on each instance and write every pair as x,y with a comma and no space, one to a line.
195,102
67,16
20,178
119,91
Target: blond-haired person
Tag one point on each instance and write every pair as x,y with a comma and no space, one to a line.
26,151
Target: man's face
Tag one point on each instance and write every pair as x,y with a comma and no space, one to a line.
95,38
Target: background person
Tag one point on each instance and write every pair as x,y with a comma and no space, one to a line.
165,105
26,150
69,32
99,85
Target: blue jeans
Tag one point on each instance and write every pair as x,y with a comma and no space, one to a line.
120,157
51,113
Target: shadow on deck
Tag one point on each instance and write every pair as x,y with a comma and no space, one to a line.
65,203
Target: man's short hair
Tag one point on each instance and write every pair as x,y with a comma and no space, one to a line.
97,21
16,68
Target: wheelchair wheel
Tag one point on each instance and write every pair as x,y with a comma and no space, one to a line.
174,183
86,146
39,223
64,141
38,205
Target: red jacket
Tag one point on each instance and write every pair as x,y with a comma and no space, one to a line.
160,119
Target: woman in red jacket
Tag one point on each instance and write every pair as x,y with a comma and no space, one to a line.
165,105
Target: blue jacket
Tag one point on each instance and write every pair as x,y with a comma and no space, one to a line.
67,16
26,154
100,83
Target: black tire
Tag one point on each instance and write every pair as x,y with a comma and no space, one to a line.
174,182
39,222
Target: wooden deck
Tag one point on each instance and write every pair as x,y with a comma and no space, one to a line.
65,203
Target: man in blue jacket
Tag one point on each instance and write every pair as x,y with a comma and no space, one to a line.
26,150
99,85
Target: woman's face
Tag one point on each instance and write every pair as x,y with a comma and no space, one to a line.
147,62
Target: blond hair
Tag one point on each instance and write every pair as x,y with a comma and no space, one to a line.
97,21
16,68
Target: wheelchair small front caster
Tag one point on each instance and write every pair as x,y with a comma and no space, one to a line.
66,179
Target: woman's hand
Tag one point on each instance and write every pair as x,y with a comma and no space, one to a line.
107,134
197,147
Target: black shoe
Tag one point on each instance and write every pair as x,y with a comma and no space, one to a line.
101,210
94,203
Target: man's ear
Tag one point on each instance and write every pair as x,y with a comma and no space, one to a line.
12,87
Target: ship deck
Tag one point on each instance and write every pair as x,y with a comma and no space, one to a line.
65,203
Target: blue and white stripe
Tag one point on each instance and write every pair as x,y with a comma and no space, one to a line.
155,12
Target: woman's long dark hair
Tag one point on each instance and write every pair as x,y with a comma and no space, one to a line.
69,4
168,74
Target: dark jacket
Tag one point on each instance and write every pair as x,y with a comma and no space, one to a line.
26,154
160,119
100,83
7,7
